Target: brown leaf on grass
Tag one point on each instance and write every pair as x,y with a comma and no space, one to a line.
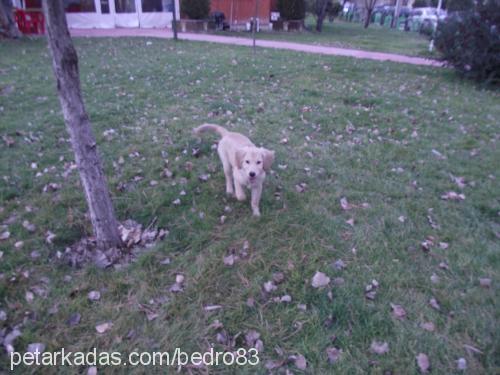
485,282
398,311
29,226
278,277
379,347
4,236
271,365
251,337
434,304
94,295
453,196
333,354
461,364
8,340
49,237
9,141
299,361
428,326
36,347
229,260
150,313
423,363
344,204
103,327
269,286
320,280
74,319
301,188
209,308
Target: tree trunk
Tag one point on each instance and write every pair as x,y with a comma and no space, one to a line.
65,66
7,22
321,14
368,17
174,20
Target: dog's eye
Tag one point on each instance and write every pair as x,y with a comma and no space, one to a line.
259,162
247,161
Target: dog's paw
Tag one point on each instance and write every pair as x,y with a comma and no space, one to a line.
241,197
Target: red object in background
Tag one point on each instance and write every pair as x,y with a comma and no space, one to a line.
30,21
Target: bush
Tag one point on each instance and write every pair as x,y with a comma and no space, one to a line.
470,41
460,5
292,9
196,9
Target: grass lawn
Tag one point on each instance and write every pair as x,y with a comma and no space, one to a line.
384,134
352,35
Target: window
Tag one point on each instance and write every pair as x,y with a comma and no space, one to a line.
152,5
104,6
125,6
79,6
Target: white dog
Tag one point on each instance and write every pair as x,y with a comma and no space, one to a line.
244,163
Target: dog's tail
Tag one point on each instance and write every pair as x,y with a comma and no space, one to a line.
211,127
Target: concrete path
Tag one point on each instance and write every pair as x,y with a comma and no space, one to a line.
308,48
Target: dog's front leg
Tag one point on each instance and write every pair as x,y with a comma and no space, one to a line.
238,187
256,194
229,180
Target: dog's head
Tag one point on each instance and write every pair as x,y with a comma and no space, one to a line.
254,161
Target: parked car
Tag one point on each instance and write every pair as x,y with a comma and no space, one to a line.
425,16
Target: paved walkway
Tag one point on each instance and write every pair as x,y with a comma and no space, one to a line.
323,50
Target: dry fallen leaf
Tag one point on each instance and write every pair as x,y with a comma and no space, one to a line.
103,327
94,295
4,236
269,286
36,347
428,326
379,347
344,204
485,282
398,311
229,260
453,196
462,364
423,363
333,354
300,362
434,304
320,280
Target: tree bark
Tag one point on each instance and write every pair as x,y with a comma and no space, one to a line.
321,7
174,20
7,22
368,17
65,66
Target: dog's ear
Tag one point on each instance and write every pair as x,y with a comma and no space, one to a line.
268,158
240,155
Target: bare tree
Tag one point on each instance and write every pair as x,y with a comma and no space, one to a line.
369,5
7,22
65,66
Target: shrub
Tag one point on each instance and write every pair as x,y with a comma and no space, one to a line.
460,5
196,9
292,9
470,41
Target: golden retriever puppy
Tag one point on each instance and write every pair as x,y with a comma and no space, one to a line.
245,165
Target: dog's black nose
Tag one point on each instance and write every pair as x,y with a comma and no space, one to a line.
252,174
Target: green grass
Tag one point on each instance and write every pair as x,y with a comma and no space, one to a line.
351,35
350,124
